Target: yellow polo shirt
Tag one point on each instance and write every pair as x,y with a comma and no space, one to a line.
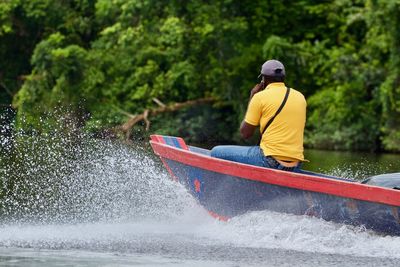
284,137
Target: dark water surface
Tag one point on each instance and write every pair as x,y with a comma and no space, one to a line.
357,165
101,203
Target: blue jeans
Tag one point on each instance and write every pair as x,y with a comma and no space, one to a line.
252,155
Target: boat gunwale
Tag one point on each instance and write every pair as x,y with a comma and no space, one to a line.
325,185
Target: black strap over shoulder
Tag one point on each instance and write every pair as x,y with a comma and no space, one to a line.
277,112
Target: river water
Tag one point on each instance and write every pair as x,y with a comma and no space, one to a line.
101,203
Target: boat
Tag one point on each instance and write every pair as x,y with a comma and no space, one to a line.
227,189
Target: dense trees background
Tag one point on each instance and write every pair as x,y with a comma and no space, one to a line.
97,61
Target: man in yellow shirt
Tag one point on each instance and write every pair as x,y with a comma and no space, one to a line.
281,114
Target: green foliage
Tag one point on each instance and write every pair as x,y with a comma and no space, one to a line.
56,80
25,24
199,124
104,59
384,43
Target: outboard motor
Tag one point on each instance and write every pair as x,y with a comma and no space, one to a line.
390,180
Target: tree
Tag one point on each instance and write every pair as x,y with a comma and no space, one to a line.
105,59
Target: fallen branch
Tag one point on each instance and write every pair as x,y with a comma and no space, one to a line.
126,128
161,104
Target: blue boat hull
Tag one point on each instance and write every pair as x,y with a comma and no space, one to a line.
228,195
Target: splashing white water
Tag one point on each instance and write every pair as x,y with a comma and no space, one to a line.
107,196
302,233
195,229
74,179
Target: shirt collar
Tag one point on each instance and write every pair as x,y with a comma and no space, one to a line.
277,84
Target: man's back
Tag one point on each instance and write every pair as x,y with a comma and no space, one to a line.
284,137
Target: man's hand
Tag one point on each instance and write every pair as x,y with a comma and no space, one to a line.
257,88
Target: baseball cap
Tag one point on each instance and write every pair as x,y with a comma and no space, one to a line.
272,67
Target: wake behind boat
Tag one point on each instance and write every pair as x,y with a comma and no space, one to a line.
227,189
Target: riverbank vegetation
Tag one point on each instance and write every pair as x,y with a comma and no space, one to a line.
107,61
